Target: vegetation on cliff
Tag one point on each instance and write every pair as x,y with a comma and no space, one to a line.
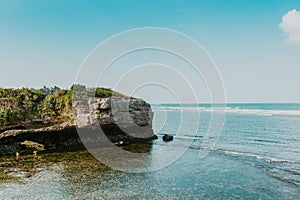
26,104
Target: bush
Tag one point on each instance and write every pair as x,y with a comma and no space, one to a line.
8,116
27,104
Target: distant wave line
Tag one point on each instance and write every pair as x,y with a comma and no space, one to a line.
231,110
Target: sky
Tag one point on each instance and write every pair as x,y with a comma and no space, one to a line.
255,44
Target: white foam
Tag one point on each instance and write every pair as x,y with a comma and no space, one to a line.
260,157
263,112
235,110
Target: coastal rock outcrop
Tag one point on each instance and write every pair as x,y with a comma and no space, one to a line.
123,120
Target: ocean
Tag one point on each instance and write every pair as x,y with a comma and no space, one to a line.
255,156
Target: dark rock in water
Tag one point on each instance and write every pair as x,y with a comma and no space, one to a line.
167,138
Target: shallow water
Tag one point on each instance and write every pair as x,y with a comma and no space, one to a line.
256,157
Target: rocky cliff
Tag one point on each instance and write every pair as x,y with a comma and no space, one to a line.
123,120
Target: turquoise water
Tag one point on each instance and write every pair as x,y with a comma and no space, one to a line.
257,156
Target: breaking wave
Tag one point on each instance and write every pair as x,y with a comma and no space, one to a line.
235,110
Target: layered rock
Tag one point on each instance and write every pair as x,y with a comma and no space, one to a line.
57,137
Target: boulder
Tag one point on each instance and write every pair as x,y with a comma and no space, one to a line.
167,138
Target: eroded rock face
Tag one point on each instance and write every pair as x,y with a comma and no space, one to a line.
119,111
122,119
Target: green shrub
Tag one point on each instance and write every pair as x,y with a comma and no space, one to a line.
8,116
28,104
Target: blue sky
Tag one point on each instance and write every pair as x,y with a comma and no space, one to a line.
45,42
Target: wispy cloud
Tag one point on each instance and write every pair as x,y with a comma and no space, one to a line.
290,25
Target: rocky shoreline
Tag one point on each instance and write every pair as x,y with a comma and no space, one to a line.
123,120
